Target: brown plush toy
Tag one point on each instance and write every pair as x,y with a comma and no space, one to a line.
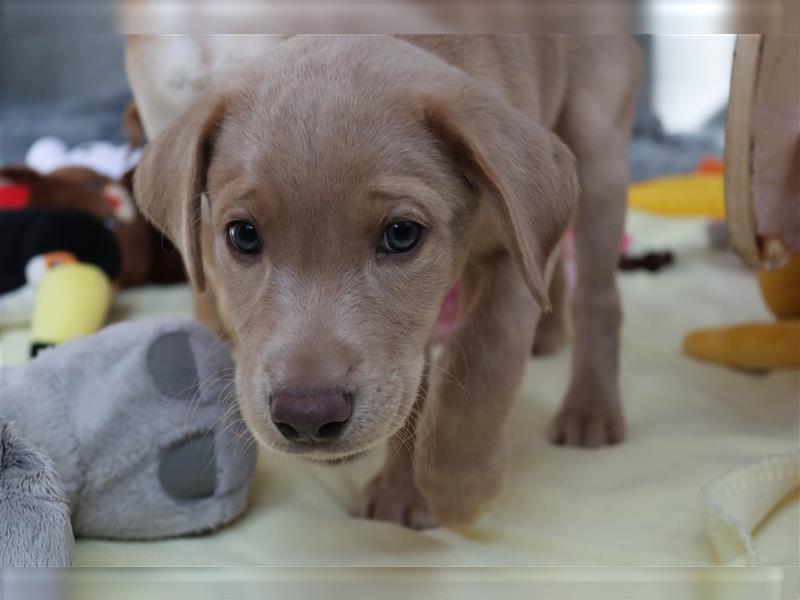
147,257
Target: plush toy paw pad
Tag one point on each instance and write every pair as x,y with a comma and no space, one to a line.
171,364
188,469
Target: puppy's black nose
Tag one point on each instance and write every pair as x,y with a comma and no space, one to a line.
310,416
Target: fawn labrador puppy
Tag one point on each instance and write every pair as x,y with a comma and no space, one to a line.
326,197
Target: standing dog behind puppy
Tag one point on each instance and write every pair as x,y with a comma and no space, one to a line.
327,196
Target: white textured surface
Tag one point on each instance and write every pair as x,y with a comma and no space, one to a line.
737,502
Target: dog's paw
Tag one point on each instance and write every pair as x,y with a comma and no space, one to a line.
456,507
396,501
588,424
458,498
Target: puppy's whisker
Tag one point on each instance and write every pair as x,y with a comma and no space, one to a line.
201,391
448,375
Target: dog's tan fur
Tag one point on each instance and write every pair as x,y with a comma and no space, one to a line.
324,140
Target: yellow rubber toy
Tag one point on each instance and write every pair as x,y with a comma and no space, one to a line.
781,289
758,345
72,300
748,346
697,195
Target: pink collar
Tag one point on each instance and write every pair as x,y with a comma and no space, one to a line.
448,314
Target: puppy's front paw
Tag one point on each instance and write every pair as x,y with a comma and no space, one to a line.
458,497
589,423
459,506
396,500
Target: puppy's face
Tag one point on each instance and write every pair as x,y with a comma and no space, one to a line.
337,230
345,179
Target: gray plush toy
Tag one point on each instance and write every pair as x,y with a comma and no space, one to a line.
132,433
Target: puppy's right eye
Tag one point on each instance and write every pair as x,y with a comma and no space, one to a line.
401,237
243,237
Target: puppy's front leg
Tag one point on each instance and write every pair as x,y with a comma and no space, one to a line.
392,495
460,451
596,125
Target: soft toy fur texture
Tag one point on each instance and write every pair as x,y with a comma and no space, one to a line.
35,528
142,428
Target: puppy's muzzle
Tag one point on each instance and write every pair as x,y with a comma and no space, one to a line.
310,416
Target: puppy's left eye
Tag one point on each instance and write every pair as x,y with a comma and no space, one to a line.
243,237
401,236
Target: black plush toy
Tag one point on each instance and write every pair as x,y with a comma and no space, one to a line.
25,234
32,243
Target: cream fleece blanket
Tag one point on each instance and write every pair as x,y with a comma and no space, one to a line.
696,482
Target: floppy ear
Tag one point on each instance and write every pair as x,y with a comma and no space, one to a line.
170,180
526,171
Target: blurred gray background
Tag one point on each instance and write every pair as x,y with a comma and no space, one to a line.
68,86
72,85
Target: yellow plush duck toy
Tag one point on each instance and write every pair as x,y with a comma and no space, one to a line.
758,345
754,346
72,300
